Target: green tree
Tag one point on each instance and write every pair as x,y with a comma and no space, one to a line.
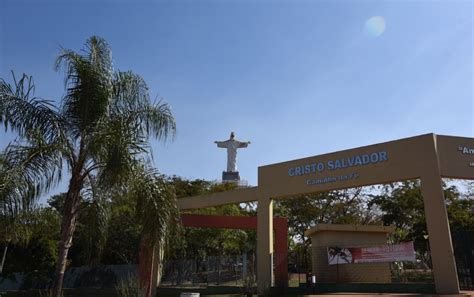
199,244
123,232
22,180
36,258
91,233
460,207
334,207
101,129
401,204
92,226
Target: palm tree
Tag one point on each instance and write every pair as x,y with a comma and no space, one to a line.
153,195
22,176
101,128
16,200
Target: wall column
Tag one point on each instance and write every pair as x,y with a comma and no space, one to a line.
281,252
442,254
264,244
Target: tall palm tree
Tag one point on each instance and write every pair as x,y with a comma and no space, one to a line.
101,128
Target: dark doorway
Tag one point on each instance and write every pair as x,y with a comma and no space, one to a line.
463,244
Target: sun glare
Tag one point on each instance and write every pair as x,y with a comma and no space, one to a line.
375,26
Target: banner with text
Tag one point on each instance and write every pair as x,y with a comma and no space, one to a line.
385,253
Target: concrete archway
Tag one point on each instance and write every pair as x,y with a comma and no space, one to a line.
427,157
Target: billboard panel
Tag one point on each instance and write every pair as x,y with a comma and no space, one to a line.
385,253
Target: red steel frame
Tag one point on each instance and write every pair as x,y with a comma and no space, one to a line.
280,227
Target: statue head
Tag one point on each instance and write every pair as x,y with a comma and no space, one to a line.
232,135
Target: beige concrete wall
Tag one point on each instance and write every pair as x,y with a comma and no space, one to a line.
406,159
221,198
347,273
442,254
264,244
453,162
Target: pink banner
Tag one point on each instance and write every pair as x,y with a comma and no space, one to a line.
385,253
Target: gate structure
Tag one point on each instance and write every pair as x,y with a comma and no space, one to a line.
280,226
463,243
427,157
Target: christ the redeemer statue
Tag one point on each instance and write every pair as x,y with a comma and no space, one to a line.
232,145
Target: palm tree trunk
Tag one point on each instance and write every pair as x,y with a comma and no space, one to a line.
5,249
150,264
146,261
158,269
68,225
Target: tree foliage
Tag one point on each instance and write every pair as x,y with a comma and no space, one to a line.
401,204
200,243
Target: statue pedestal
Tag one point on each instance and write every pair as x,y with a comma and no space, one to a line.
230,176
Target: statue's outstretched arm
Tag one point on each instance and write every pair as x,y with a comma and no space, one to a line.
244,144
220,144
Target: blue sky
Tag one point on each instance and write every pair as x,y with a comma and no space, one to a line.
297,78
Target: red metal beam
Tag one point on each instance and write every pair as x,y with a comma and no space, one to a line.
280,226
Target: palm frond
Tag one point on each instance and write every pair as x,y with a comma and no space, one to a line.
158,120
28,171
17,228
121,139
99,55
22,112
132,102
115,149
94,216
88,84
156,204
